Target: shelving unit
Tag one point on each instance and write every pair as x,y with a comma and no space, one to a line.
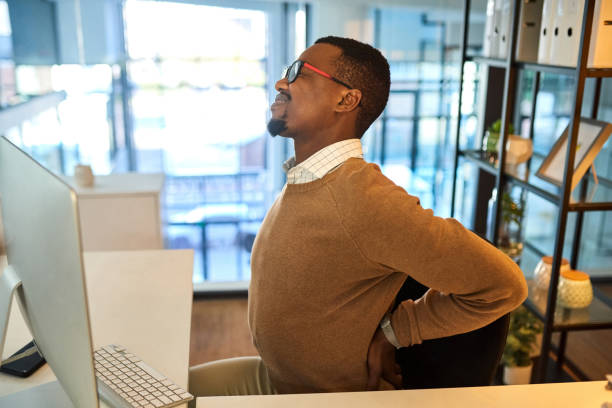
541,302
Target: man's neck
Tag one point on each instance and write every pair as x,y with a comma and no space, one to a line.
306,147
304,150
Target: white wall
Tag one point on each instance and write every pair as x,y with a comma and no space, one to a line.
342,19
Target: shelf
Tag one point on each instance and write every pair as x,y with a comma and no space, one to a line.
562,70
546,68
586,206
477,158
550,194
599,72
537,186
598,315
492,62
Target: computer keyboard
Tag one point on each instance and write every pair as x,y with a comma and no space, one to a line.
125,381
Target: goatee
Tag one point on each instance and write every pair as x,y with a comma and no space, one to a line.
275,126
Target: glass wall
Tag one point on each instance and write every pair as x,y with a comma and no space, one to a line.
552,115
191,101
413,141
200,92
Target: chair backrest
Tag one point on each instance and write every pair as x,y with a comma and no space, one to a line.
465,360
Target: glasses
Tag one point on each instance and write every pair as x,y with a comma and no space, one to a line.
292,72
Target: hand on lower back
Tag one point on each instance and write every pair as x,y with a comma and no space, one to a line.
381,362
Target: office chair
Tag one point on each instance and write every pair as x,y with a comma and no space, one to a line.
463,360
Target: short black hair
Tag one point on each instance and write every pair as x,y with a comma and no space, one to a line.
364,68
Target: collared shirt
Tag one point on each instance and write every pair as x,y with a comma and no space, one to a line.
322,162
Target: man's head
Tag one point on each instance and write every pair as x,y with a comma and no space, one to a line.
339,84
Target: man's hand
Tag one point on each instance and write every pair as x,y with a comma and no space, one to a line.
381,362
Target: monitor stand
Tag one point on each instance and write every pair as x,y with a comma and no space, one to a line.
49,395
9,282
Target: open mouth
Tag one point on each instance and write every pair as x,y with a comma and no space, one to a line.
281,98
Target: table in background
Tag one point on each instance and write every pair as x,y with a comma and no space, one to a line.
121,211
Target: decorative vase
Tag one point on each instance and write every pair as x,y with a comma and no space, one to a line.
518,149
574,290
517,375
542,271
510,240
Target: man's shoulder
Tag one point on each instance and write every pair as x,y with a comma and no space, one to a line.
356,175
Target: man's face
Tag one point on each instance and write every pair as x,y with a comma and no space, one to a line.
308,103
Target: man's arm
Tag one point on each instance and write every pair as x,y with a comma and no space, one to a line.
472,283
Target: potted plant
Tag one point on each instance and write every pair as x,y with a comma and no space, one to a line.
522,336
490,141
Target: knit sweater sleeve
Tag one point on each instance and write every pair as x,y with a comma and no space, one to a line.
471,282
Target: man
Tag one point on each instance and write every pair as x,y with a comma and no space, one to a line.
341,239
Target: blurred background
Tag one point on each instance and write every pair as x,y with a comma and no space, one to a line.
183,88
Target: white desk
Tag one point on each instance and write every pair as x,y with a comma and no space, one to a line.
563,395
121,212
139,299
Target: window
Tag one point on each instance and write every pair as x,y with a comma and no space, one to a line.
201,81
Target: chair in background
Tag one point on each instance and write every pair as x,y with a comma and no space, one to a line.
465,360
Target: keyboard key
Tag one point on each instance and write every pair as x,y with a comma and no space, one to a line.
151,371
108,349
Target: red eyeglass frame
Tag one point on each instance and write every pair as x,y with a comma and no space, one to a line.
311,67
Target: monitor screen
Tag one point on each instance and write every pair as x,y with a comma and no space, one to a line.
43,248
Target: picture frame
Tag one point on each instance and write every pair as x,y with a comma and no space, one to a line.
592,135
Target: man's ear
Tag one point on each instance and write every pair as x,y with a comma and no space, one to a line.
351,99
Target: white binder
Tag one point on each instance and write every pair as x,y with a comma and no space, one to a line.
566,34
487,49
600,52
528,37
549,11
504,28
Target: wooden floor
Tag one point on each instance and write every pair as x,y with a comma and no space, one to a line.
219,329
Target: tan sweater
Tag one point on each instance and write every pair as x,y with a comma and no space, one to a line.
331,256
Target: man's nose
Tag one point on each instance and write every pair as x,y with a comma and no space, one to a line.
281,84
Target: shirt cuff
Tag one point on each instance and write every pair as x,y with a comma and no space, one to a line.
388,331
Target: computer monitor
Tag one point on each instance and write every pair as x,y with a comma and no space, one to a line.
43,248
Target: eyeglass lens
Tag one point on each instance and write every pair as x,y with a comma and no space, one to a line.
292,71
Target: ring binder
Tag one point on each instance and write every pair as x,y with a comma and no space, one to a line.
566,35
528,38
600,50
549,10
